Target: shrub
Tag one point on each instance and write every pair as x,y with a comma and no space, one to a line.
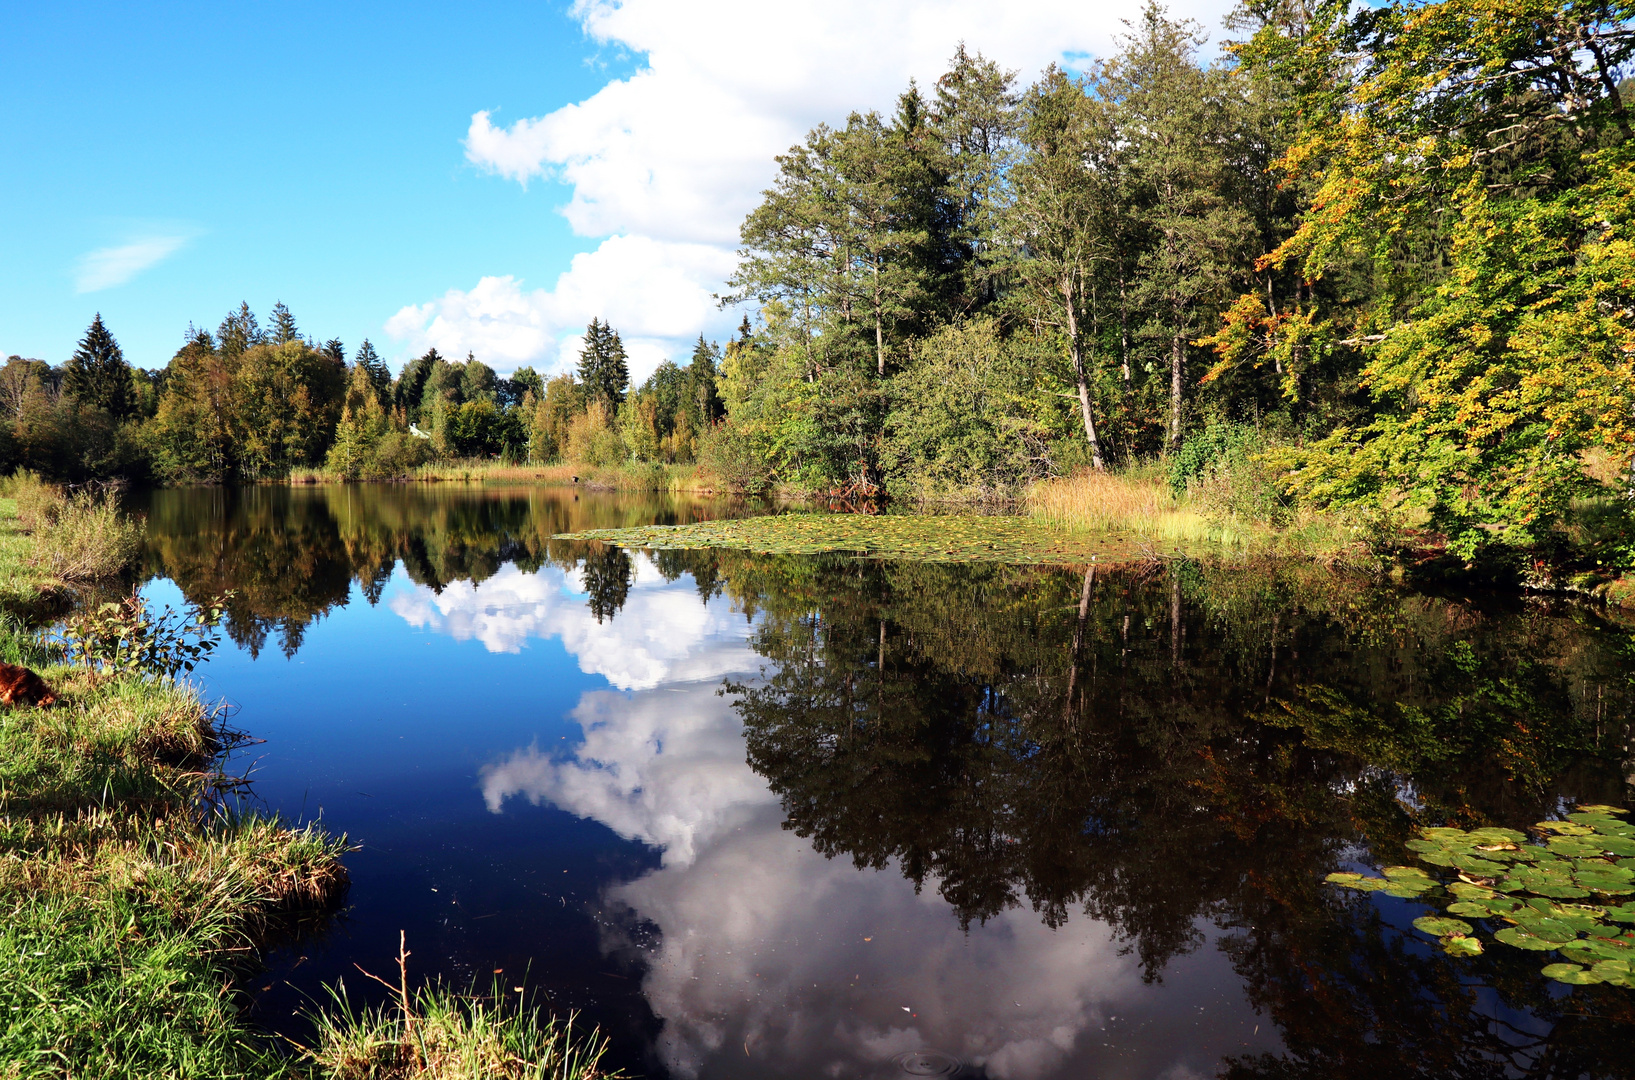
88,538
1221,469
37,501
732,459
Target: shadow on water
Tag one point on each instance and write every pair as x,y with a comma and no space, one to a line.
1177,754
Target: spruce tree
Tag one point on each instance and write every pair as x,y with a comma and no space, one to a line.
379,374
282,331
98,375
703,403
239,331
603,367
335,351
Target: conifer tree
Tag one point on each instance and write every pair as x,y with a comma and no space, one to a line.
335,351
603,366
379,374
98,375
703,403
239,331
282,331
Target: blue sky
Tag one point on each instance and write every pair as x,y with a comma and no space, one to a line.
480,177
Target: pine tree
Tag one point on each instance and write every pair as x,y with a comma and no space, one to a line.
603,366
335,351
282,331
98,375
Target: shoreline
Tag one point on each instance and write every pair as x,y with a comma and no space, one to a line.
138,895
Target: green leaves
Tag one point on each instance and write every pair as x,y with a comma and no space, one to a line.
1499,875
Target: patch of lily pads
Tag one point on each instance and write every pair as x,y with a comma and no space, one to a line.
1566,887
923,538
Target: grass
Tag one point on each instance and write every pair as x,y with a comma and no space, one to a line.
136,893
81,537
632,476
1139,503
439,1035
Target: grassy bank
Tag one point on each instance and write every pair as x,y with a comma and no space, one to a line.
136,895
632,476
1141,503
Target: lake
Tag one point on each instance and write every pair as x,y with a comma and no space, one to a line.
827,817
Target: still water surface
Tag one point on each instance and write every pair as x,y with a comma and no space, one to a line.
826,817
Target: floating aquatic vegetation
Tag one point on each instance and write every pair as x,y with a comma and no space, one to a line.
1568,888
927,538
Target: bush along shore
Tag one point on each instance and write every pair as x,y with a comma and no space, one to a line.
137,892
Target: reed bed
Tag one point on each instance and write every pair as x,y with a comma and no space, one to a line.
1125,504
1141,503
631,476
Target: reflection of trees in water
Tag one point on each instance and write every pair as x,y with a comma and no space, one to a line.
291,554
1198,745
607,574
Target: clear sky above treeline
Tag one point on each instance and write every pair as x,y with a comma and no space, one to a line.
478,177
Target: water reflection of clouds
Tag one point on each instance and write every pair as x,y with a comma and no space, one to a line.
665,767
663,634
763,962
764,945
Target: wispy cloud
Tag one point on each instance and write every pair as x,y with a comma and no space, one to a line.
106,267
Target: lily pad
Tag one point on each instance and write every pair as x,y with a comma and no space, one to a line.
1494,834
1462,946
1621,972
1470,864
1589,950
1521,939
1438,926
1470,909
1599,808
1357,881
1571,973
1397,873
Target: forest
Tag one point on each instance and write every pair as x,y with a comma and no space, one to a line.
1374,262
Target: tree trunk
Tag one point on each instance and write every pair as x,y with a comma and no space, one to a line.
1177,354
879,332
1123,330
1078,640
1079,373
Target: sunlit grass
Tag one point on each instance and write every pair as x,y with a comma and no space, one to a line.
1140,503
631,476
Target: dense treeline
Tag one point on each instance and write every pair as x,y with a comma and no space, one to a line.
1376,260
1389,248
248,403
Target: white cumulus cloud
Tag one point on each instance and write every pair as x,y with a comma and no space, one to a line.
667,161
106,267
657,293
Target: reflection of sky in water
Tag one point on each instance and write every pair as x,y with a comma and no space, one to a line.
663,634
771,957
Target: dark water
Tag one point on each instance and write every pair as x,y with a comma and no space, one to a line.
825,817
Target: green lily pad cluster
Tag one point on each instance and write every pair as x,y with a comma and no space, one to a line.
1567,888
918,537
